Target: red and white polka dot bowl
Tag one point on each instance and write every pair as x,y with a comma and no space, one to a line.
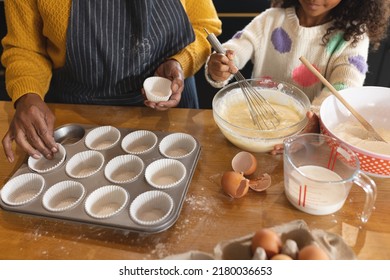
373,104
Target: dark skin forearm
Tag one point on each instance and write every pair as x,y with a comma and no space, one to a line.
31,128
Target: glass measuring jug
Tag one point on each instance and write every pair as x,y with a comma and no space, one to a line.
319,172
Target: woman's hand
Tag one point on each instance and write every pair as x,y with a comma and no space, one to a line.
221,66
31,128
172,70
313,126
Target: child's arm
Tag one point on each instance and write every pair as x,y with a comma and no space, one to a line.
239,50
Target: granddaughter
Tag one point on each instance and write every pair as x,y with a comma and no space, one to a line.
334,35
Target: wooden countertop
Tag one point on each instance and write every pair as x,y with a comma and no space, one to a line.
208,216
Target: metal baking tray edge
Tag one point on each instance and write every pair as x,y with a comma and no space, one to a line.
77,214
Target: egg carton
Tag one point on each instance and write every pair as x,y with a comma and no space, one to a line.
240,248
121,178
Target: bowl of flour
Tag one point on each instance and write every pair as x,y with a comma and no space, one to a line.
372,103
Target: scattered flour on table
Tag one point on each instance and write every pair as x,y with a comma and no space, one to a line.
198,207
195,209
200,203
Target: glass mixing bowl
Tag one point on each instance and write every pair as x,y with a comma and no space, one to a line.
239,128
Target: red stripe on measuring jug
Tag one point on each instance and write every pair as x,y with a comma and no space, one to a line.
332,158
302,193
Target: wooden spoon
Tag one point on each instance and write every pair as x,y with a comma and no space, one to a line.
359,117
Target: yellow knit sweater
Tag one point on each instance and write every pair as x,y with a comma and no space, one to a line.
36,42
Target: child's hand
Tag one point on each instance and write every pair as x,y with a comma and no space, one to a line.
313,126
221,66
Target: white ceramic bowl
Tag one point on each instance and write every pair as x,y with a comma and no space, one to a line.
373,104
239,131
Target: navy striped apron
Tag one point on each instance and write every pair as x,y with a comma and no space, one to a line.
112,46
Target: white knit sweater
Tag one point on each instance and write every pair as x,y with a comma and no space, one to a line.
274,41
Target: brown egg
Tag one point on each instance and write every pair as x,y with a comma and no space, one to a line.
281,257
244,162
312,252
234,184
268,240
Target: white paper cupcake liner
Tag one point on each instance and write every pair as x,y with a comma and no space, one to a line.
157,88
102,138
150,208
177,145
106,201
139,142
84,164
22,189
43,165
165,173
124,169
63,196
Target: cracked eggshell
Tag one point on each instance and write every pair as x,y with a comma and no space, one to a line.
234,184
260,184
244,162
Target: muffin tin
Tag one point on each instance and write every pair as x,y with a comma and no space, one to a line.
122,178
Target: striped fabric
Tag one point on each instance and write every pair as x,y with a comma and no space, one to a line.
112,46
189,96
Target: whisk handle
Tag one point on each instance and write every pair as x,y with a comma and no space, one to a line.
214,42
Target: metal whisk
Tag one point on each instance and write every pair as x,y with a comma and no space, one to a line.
263,115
